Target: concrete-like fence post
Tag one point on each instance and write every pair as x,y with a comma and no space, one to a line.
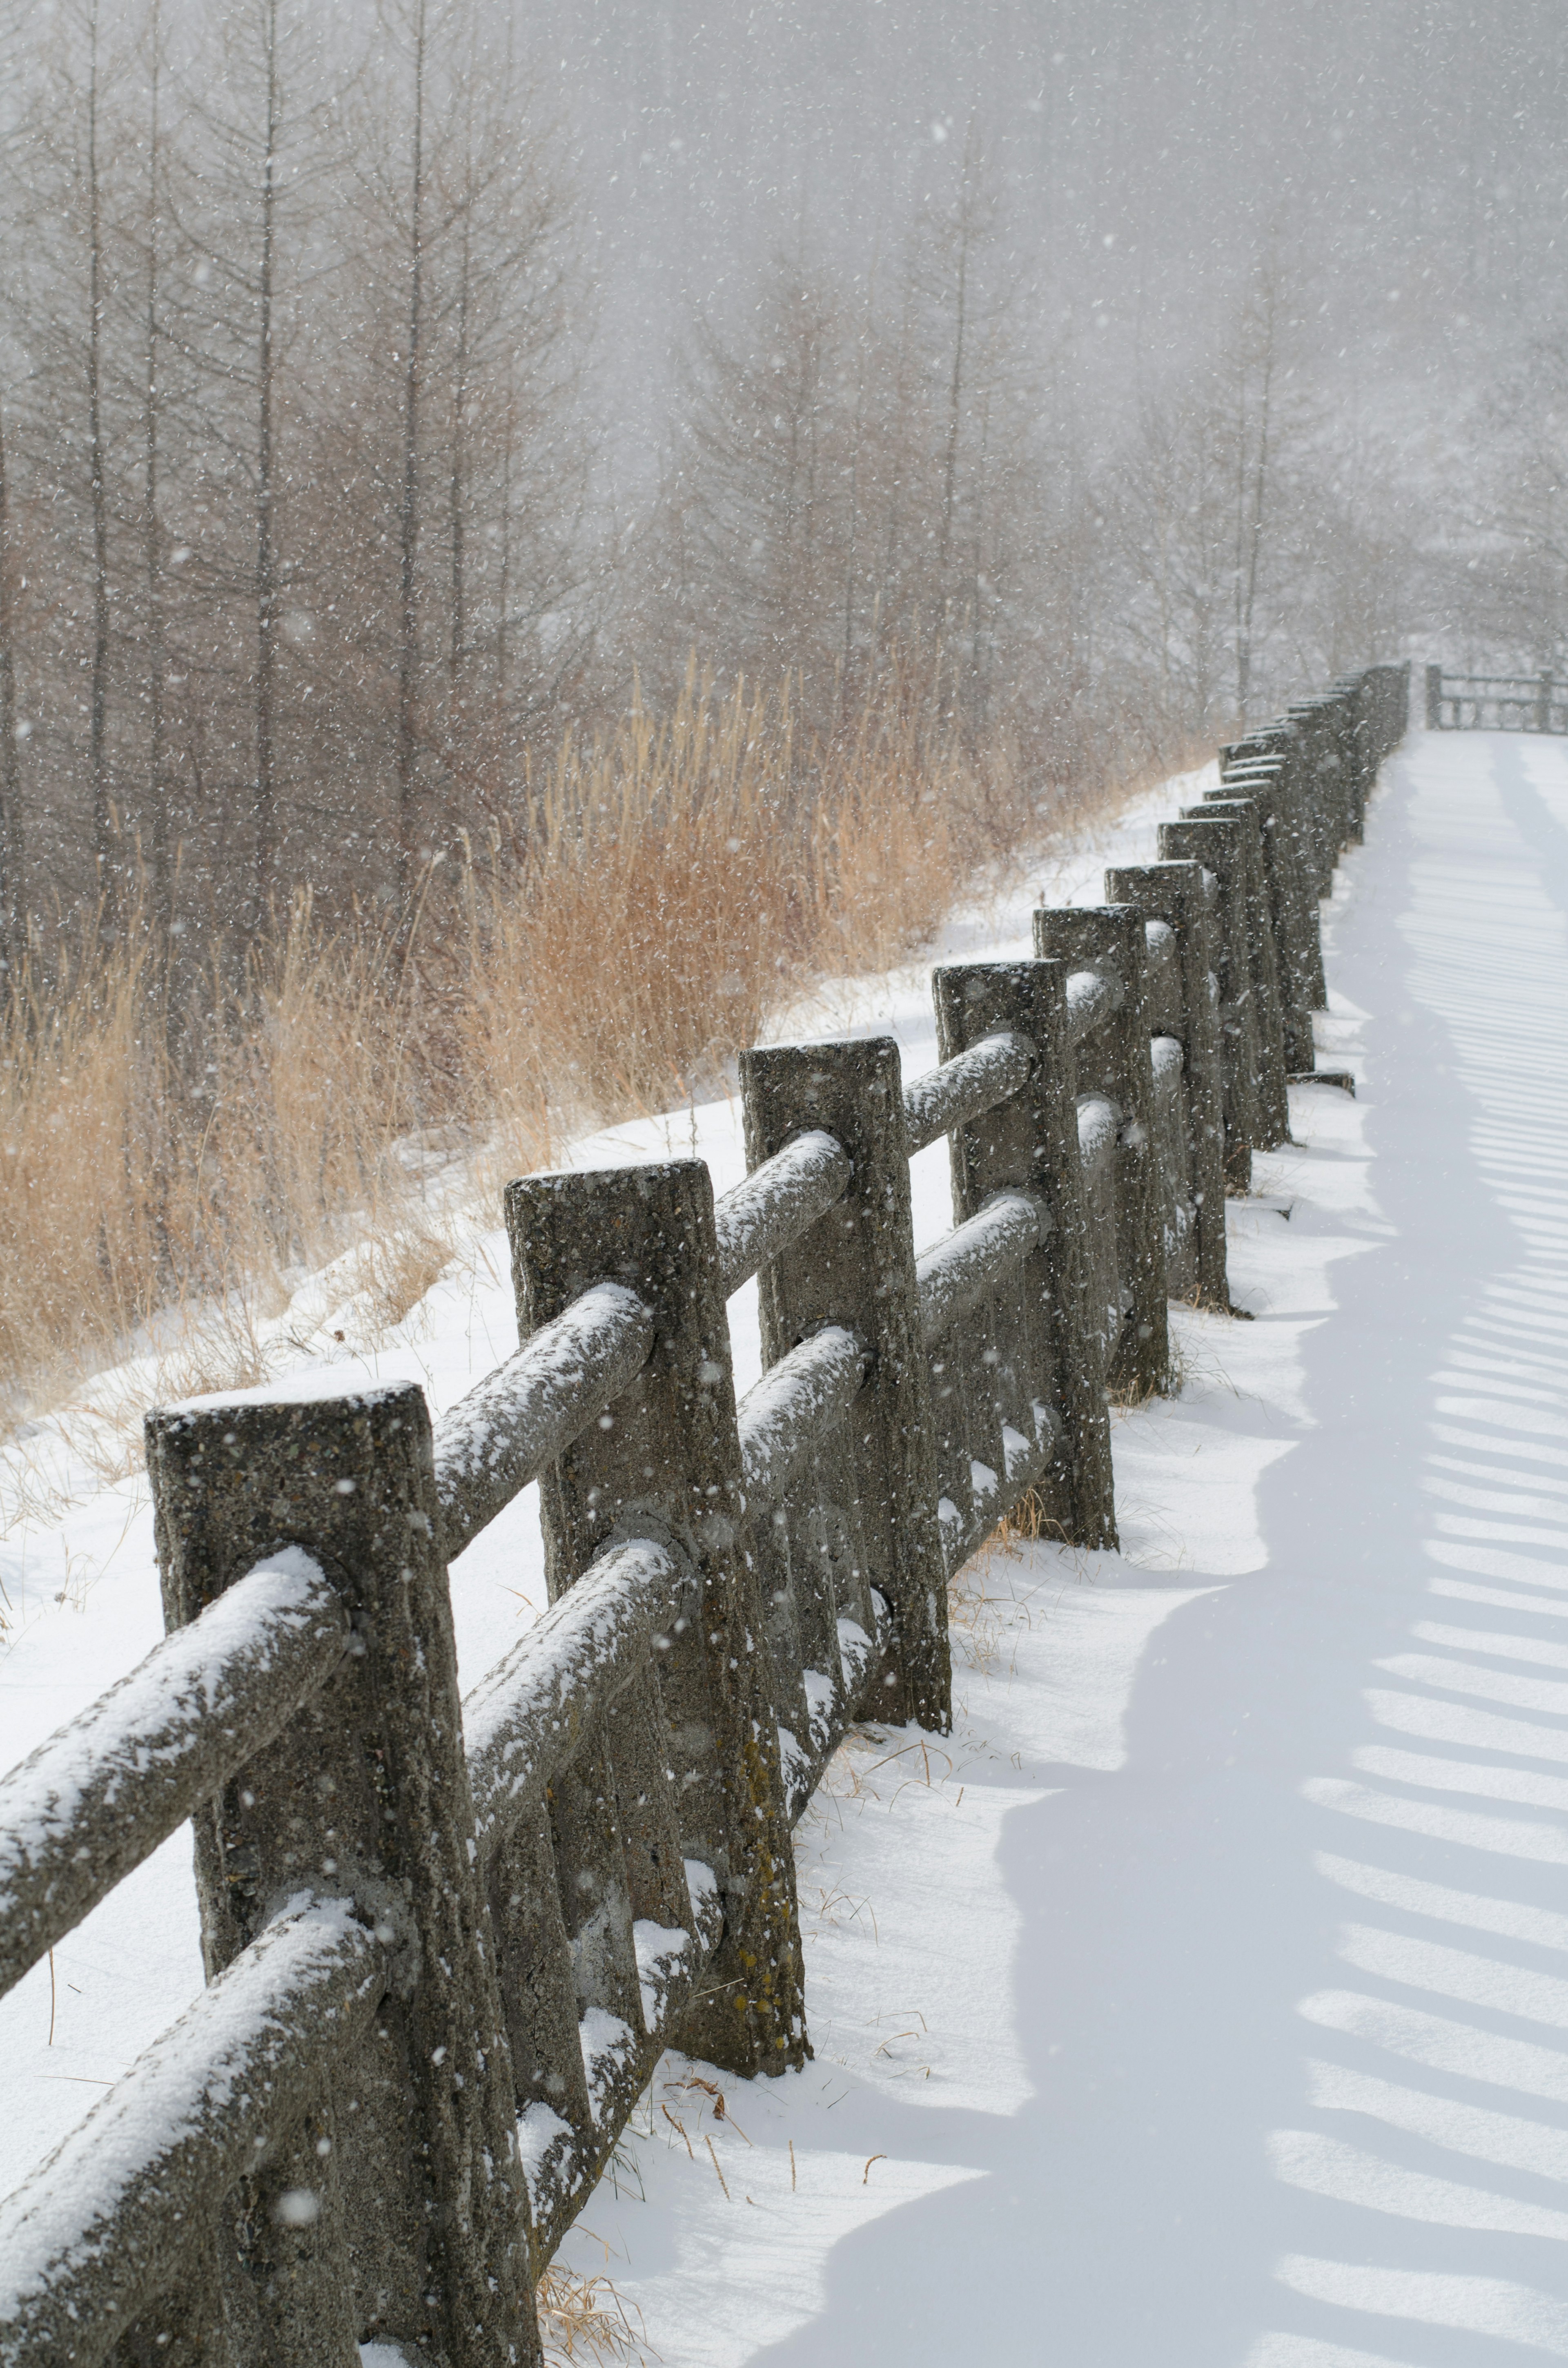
663,1460
1217,847
1361,699
1312,757
398,2213
855,1267
1294,908
1434,699
1030,1143
1115,1060
1178,895
1273,1066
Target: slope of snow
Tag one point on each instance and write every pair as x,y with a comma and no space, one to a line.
1203,1999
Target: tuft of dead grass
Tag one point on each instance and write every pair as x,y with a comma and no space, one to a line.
585,2319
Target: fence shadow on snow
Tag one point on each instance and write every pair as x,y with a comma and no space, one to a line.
446,1942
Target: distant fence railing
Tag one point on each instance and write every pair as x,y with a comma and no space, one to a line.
1494,702
446,1941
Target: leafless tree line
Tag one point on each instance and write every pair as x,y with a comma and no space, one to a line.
871,470
303,553
293,492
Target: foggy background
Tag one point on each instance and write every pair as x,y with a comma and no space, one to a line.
389,391
1405,161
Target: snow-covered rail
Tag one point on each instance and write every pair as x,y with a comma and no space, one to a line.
520,1417
776,1203
1494,702
965,1088
100,1795
447,1940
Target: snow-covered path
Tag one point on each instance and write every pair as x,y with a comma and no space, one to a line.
1225,2023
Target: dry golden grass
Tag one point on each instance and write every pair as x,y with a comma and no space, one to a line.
678,881
168,1177
583,2318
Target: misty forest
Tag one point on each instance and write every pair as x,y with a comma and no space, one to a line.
486,488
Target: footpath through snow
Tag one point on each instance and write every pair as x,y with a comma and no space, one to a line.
1202,2002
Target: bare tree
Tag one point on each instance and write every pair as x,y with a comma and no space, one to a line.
13,910
103,846
408,506
152,540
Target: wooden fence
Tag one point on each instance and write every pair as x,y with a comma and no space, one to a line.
1494,702
446,1941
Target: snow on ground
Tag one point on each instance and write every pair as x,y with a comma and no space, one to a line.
1202,2002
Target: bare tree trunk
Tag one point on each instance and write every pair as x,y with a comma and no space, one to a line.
1254,542
505,589
886,605
103,818
408,521
162,898
458,471
955,400
265,492
13,909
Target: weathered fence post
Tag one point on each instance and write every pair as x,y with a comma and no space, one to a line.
1292,906
855,1266
1178,895
1434,699
664,1459
1216,845
1030,1143
1110,938
1273,1096
401,2216
1353,701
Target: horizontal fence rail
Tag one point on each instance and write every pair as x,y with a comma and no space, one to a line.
1494,702
444,1940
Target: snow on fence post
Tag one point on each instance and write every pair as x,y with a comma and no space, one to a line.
1311,758
1185,899
397,2212
1273,765
1331,722
854,1267
1216,845
1272,1074
663,1460
1360,698
1270,783
1114,1059
1029,1142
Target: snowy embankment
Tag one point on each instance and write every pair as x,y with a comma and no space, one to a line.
1203,1999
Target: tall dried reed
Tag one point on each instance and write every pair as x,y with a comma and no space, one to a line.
664,888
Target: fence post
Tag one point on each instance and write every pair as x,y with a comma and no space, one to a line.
1110,938
855,1266
1357,734
1292,906
1177,894
1434,699
1030,1144
421,2235
1214,845
1306,754
664,1459
1273,1093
